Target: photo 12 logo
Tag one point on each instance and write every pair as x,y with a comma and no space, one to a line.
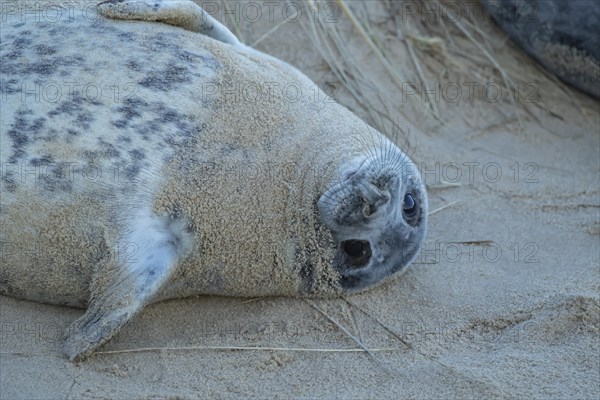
480,252
47,11
466,11
455,172
65,91
272,11
468,92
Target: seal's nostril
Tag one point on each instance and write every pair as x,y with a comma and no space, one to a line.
367,211
371,193
373,198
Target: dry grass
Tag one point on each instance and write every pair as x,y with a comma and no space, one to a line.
389,55
402,51
243,348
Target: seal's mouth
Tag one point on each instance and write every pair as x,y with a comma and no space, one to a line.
357,252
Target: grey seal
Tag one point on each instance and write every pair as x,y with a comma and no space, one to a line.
563,36
143,161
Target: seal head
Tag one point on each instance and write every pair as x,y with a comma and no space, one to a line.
377,213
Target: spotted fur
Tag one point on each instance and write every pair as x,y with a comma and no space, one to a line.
134,170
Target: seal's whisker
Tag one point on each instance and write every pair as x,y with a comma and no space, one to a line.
368,148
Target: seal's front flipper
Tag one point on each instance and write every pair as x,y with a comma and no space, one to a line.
182,13
102,320
145,260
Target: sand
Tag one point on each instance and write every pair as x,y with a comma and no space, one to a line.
502,303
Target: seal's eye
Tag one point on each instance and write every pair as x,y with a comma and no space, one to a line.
358,252
410,207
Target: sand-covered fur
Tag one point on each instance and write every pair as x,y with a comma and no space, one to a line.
176,164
